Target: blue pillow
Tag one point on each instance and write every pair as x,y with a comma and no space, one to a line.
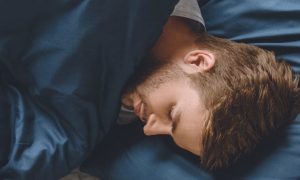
270,24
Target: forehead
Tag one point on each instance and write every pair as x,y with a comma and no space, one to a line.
190,125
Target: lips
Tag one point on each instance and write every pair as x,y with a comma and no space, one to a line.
139,109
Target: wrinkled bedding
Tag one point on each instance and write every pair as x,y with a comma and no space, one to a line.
63,65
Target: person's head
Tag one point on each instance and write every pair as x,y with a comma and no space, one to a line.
218,100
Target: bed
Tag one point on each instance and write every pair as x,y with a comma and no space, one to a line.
63,65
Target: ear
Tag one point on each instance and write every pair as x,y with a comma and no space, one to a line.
198,61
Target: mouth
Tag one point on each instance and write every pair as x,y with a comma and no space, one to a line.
139,110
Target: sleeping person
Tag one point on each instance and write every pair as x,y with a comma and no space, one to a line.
216,98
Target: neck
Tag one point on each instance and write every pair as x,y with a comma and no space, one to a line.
176,40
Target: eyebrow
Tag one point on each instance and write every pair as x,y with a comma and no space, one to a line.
176,120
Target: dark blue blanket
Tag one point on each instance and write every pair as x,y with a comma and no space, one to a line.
63,64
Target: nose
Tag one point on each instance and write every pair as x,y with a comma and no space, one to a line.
157,126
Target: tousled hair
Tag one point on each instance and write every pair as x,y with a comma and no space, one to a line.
248,95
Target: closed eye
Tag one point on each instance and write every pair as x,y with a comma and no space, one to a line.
171,113
171,116
176,116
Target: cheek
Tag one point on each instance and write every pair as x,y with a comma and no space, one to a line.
159,98
148,87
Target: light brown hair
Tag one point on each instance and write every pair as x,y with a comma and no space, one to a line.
248,94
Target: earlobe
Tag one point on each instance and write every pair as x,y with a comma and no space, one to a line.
199,61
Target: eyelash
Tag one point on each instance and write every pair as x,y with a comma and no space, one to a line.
170,116
170,112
